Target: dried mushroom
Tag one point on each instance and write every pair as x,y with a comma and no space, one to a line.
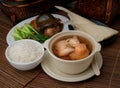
47,24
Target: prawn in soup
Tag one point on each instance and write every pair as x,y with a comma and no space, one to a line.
72,47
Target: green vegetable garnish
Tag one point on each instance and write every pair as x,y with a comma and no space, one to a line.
28,32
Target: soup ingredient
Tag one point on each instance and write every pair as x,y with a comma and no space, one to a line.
47,24
63,48
50,31
28,32
24,52
80,52
71,48
74,41
98,32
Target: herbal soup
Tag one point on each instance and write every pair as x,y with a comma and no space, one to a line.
72,47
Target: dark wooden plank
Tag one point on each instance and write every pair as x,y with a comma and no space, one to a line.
111,50
43,81
115,77
7,82
5,19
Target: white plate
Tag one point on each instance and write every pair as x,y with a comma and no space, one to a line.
10,39
51,70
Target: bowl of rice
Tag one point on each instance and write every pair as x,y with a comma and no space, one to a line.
25,54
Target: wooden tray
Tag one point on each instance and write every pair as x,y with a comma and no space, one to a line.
19,10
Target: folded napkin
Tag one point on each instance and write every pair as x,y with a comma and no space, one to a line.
99,32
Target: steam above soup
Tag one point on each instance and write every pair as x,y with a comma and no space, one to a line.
72,47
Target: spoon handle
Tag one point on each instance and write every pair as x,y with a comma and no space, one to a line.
95,66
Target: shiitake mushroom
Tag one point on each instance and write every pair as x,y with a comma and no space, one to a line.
47,24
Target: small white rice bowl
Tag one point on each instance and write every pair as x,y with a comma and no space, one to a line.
25,54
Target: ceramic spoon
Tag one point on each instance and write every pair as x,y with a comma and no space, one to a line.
95,66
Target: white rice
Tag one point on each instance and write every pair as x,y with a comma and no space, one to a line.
24,52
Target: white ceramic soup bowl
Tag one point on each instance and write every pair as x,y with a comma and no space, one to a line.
25,54
72,66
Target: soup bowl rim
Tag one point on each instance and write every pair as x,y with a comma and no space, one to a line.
56,36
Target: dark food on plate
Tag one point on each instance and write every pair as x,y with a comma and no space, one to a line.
47,24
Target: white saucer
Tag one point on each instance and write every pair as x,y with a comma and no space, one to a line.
52,71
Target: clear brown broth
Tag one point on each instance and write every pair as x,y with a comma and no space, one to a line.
81,39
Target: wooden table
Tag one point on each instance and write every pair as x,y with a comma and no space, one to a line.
37,78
